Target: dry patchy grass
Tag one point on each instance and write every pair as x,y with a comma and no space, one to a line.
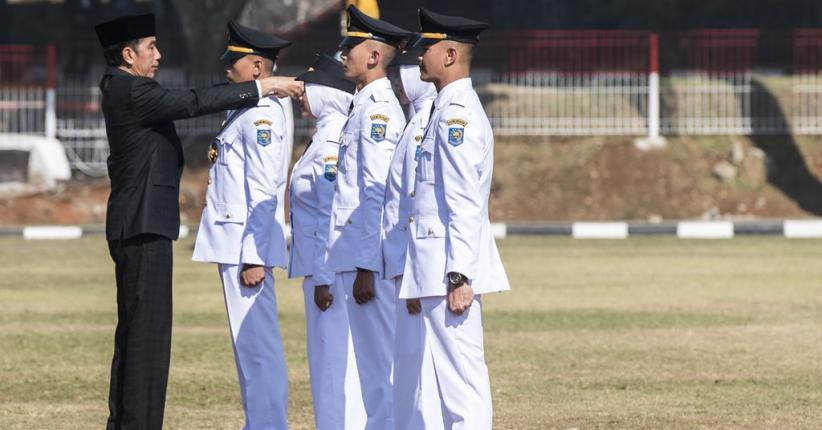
641,333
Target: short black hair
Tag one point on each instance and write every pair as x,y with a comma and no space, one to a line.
114,53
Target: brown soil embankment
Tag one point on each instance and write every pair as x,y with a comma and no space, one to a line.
542,179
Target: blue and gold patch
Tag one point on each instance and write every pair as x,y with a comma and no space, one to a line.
264,136
378,132
455,135
330,172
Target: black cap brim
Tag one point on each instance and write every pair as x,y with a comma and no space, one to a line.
350,41
425,42
229,57
322,78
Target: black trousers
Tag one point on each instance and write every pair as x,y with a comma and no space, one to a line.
142,342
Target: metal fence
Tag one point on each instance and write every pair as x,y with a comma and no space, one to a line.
567,83
538,82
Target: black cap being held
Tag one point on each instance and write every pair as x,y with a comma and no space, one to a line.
362,27
329,72
243,41
410,56
435,27
125,29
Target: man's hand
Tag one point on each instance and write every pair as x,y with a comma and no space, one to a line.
252,275
363,286
460,298
281,86
414,306
323,297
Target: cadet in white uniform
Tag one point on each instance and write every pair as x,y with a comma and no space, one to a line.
335,384
408,366
452,257
354,241
241,229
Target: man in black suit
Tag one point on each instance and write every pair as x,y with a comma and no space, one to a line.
143,216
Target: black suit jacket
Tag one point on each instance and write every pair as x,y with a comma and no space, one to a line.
146,159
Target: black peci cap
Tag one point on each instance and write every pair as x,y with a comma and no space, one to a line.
125,29
362,27
243,41
435,27
410,56
329,72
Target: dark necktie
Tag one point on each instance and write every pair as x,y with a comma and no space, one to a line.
430,115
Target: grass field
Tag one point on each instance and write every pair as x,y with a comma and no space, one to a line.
653,333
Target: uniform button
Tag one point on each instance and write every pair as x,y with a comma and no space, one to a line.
413,194
227,216
349,220
410,219
430,231
209,181
205,204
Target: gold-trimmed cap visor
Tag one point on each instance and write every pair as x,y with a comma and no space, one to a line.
435,27
353,38
427,39
233,53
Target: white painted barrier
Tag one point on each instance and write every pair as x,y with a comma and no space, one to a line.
52,232
705,230
599,230
499,230
802,229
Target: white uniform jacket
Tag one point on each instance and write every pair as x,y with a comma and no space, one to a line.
399,191
241,219
288,112
450,230
310,195
366,146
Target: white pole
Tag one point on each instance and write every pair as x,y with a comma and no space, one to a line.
654,140
51,113
51,93
653,105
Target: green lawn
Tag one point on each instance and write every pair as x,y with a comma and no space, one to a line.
653,333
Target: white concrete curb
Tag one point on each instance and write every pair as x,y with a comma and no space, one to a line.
52,232
802,229
599,230
705,230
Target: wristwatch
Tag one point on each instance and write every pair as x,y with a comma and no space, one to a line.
455,279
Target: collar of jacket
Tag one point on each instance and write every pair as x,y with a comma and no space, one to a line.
376,89
453,92
117,71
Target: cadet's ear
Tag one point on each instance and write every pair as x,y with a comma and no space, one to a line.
374,58
258,67
451,55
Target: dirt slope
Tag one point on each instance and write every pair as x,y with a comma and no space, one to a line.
568,179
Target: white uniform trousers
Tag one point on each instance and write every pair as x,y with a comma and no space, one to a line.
453,344
335,383
416,398
258,350
372,332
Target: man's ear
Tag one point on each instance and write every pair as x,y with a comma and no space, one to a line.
258,68
374,58
451,55
128,55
